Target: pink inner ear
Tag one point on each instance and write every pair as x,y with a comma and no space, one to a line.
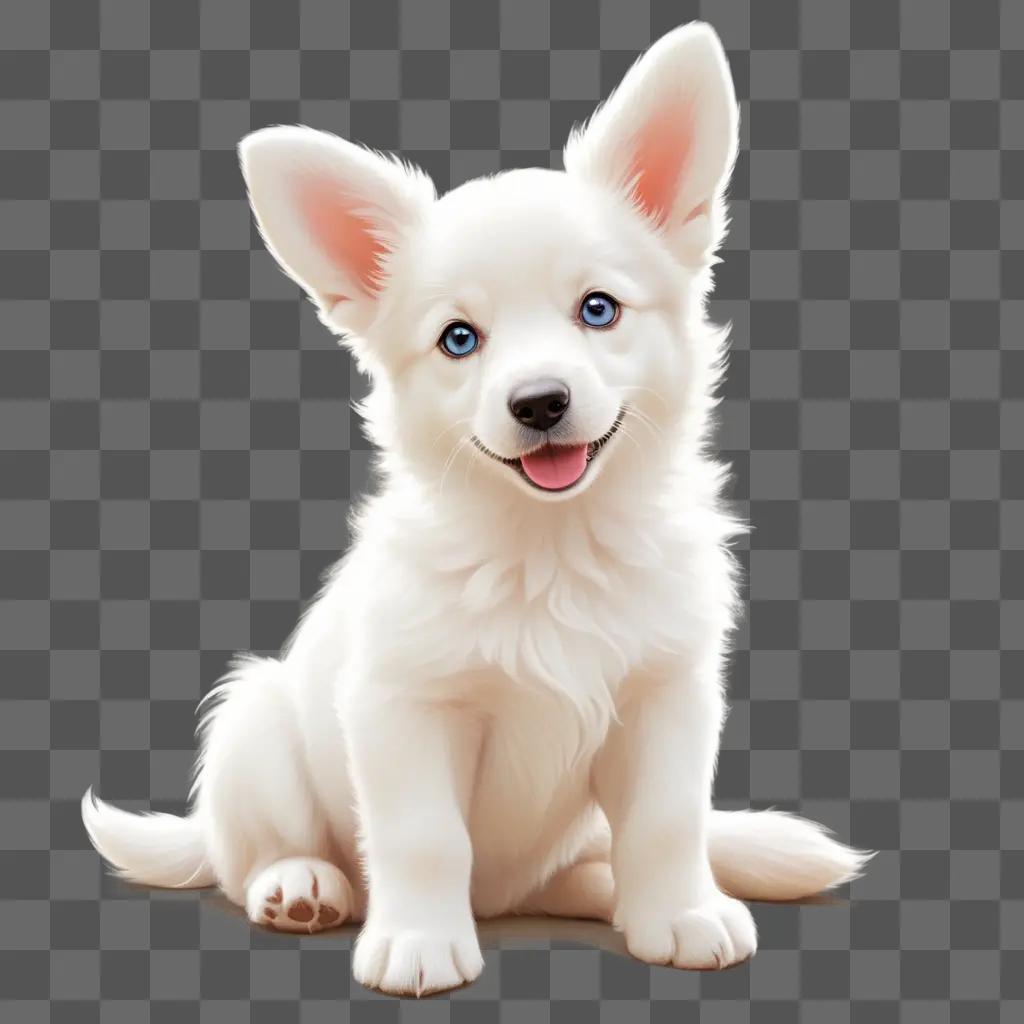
344,234
662,151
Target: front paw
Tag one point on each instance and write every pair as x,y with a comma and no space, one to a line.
416,961
715,933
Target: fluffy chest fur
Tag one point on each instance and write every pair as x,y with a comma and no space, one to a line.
568,604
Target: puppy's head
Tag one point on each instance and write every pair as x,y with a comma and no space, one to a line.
526,326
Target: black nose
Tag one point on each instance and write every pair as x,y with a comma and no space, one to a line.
539,404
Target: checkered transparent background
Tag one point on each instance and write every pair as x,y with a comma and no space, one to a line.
177,455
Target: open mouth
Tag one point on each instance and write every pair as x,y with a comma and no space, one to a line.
555,467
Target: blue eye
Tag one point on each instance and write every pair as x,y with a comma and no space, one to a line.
599,310
459,339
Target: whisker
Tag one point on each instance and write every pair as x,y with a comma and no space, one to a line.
641,387
645,419
451,426
450,461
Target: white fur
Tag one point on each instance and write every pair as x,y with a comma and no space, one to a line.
504,700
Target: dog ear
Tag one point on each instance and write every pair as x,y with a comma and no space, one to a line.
332,214
667,138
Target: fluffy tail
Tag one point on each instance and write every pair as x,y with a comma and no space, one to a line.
151,849
771,855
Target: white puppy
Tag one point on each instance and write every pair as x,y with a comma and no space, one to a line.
508,697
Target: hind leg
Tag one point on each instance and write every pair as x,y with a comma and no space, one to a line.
299,894
584,889
264,823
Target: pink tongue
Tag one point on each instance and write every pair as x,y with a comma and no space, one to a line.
555,466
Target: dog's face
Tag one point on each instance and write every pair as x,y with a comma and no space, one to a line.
521,325
524,353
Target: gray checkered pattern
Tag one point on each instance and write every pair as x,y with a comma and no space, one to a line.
177,456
